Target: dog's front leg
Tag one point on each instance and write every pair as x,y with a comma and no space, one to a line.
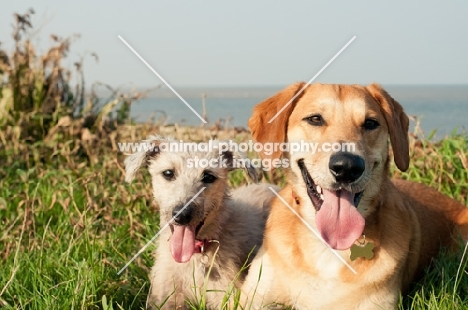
259,281
165,291
172,303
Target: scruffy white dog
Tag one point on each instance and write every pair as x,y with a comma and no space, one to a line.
214,234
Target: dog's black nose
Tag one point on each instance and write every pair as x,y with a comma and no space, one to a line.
181,215
346,167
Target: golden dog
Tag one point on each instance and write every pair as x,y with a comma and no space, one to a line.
376,236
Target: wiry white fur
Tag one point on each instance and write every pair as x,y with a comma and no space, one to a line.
235,220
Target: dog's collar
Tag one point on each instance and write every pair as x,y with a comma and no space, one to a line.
200,245
364,249
294,196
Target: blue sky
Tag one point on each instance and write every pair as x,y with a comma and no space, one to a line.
257,43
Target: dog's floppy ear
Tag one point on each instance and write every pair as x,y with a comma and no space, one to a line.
275,132
397,122
236,159
147,149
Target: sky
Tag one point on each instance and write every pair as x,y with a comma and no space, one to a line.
256,43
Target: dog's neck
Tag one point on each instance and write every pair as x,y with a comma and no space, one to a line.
214,227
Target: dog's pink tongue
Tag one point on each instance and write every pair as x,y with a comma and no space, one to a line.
182,243
338,220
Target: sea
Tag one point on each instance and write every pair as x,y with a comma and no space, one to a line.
439,110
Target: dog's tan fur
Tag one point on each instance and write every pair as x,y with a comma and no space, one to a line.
235,220
407,222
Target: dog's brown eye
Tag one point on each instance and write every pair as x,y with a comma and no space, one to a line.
315,120
370,124
208,178
168,174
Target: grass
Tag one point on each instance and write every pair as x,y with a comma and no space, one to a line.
445,286
65,231
444,166
69,225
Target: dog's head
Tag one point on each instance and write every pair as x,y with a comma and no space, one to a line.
189,185
346,129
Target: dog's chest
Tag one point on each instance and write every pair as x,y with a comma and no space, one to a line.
325,263
324,292
199,267
203,266
323,284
